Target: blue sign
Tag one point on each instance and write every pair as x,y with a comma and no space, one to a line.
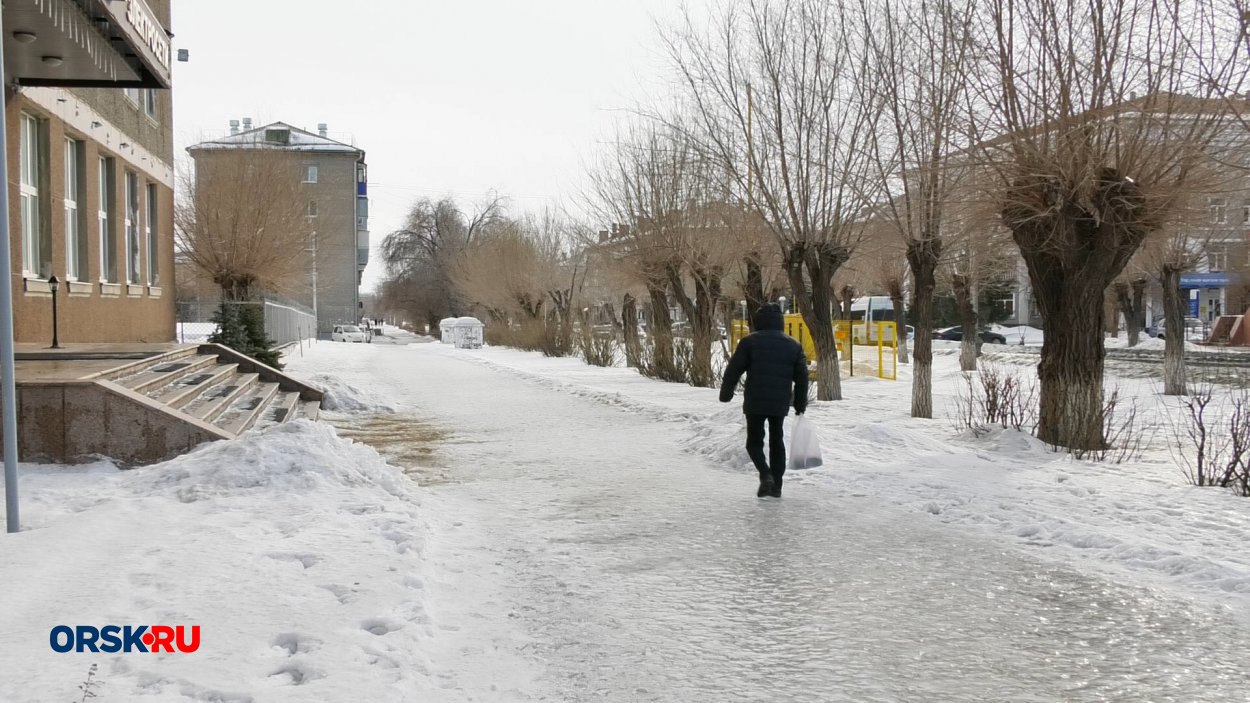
1206,280
1193,307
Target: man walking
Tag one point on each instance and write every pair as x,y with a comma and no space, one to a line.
774,364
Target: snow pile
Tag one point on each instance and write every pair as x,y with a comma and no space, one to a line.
295,457
343,397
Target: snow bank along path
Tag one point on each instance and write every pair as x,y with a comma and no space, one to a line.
587,553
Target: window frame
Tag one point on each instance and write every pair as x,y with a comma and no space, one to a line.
311,211
311,173
76,256
104,219
130,219
28,194
153,241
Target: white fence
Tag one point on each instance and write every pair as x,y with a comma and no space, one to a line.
285,323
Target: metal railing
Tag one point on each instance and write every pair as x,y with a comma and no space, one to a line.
285,323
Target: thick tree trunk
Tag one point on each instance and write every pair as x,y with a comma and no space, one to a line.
662,364
1071,370
629,320
1129,297
969,347
701,312
1111,314
922,257
753,288
1174,332
1137,322
820,261
900,322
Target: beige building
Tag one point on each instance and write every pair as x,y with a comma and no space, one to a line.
333,180
90,169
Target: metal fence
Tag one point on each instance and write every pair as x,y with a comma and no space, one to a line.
285,323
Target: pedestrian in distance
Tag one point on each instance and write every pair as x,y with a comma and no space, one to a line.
776,371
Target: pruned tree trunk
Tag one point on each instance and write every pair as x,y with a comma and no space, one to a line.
900,319
1130,298
629,320
922,257
753,287
1174,335
701,311
1071,369
662,364
1111,314
967,322
820,261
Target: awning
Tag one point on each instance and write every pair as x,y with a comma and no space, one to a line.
85,43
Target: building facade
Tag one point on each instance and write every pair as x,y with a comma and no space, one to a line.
333,181
90,163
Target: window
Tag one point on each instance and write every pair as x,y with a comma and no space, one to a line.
149,102
1218,211
310,173
154,269
75,231
278,136
32,251
131,217
1007,306
104,217
312,208
132,94
1245,214
1217,260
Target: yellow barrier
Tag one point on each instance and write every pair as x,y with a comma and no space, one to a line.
843,332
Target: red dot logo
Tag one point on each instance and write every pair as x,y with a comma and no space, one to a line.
148,638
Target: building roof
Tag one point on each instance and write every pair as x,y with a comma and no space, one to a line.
277,135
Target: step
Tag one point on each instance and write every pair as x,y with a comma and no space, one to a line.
309,409
246,408
166,372
187,388
281,409
213,401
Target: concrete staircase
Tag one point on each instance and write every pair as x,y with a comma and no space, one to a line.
158,407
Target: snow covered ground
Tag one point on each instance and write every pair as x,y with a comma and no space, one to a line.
548,530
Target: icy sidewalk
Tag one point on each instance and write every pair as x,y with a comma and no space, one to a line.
586,555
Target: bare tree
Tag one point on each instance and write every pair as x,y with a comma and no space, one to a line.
422,254
772,94
657,185
921,52
241,221
1083,169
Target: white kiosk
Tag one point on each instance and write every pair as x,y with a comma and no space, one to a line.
447,330
468,332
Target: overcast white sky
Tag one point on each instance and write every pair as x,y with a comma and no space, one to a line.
446,97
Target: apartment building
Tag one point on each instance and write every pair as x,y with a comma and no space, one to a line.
90,162
333,180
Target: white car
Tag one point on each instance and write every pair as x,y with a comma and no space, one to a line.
347,333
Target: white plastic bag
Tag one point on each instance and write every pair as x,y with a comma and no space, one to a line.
804,445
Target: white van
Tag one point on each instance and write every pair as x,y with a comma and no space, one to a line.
870,310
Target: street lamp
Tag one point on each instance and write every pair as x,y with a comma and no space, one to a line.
782,300
54,285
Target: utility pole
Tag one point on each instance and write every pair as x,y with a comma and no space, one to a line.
8,388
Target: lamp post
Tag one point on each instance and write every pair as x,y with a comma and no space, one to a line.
782,300
54,285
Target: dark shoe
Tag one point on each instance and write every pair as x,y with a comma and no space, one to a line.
775,491
766,486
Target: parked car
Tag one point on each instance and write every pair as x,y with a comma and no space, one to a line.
956,334
348,333
1193,327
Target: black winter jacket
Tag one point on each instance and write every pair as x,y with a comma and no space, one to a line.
773,363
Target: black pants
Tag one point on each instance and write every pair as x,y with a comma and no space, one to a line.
776,464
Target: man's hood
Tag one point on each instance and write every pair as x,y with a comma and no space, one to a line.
769,317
